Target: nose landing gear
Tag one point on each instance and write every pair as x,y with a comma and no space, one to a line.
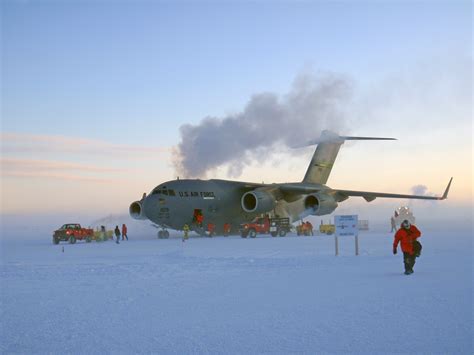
163,234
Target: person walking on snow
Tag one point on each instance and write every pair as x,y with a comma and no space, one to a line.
124,232
406,236
186,232
392,222
117,234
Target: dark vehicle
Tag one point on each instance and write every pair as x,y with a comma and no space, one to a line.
264,225
71,232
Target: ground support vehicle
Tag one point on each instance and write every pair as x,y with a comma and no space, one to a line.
71,232
265,225
327,228
363,224
404,213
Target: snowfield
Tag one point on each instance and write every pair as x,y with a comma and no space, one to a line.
234,295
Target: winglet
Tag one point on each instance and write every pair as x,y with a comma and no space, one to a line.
445,195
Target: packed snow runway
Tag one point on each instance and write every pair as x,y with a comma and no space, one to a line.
234,295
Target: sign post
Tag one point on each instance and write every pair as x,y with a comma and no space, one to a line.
357,244
347,225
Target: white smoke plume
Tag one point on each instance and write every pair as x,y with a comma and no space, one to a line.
313,104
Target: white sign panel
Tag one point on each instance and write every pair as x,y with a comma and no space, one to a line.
346,225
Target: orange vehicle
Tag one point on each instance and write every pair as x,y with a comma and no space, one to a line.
264,225
71,232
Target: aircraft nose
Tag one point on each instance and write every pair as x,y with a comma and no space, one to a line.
150,206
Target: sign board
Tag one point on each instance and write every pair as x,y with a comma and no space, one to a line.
346,225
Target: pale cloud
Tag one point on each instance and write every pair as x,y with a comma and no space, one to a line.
47,169
11,165
15,143
56,176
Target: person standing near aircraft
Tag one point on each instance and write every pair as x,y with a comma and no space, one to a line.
392,222
124,232
227,228
406,236
210,228
117,234
186,232
199,219
103,233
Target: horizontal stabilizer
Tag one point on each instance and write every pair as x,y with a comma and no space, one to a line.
331,137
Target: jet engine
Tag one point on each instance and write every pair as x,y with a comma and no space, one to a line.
320,204
257,202
136,210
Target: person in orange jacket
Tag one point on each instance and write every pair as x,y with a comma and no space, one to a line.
124,232
406,235
210,228
227,228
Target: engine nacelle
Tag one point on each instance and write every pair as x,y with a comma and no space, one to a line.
257,202
320,204
136,210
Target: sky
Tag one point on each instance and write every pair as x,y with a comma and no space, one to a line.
95,95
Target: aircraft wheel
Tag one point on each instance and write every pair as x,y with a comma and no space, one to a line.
252,233
72,239
55,241
88,239
244,234
160,234
166,234
282,232
274,234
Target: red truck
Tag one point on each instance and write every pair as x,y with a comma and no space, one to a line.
71,232
264,225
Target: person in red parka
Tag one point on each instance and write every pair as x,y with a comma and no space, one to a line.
124,232
406,235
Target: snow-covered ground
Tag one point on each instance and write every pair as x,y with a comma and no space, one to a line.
234,295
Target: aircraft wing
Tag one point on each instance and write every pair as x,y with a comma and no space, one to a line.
341,195
370,196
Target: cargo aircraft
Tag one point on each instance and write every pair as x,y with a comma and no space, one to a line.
222,202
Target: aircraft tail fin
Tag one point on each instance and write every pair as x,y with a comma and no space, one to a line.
325,155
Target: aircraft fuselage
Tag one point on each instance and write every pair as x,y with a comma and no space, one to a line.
173,203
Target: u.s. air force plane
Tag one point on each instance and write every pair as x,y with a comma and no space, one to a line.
221,202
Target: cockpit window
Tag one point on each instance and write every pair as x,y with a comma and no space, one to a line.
163,191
